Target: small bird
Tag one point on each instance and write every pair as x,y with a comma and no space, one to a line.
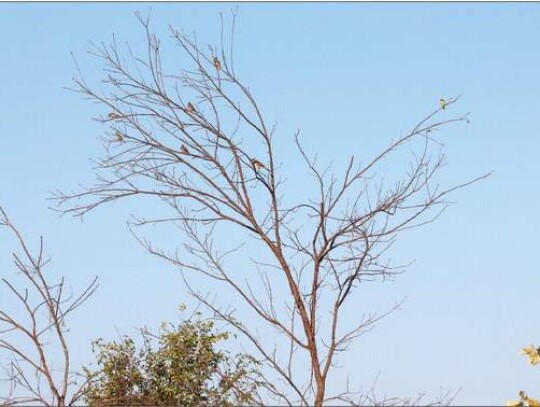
118,137
217,63
190,108
184,150
443,103
114,115
257,164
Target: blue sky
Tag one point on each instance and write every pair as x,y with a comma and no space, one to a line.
472,292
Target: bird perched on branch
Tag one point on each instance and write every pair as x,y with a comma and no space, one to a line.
114,115
190,108
443,103
184,150
217,63
118,137
257,164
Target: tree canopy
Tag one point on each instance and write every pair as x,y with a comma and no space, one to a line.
182,366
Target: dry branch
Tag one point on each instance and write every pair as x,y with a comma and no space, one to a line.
33,332
198,142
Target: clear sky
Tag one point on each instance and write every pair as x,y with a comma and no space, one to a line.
351,77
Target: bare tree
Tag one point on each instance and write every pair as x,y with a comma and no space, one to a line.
33,335
197,141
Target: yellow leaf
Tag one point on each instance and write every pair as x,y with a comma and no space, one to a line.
532,353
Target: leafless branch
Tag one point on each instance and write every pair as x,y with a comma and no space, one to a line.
197,142
32,333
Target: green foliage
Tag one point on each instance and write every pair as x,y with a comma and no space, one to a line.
184,369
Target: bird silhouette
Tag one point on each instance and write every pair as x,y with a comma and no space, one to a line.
190,108
114,115
443,103
257,164
184,149
118,137
217,63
